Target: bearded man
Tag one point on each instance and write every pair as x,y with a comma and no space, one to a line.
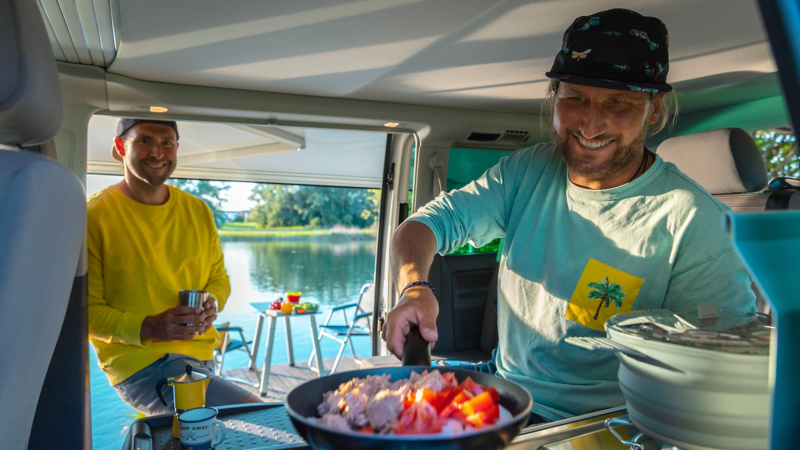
595,207
146,242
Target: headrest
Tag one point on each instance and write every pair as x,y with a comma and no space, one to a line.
31,111
724,161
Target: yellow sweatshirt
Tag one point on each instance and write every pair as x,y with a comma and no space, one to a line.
140,256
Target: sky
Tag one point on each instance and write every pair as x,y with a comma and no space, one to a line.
237,195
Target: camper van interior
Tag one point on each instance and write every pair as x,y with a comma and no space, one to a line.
411,97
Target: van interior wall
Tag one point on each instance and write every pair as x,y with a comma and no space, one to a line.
753,103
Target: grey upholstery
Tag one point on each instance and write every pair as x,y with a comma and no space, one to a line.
42,220
31,111
724,161
42,225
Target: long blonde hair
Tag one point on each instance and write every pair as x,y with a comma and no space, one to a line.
667,115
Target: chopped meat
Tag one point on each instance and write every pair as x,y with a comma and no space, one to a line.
355,411
384,408
334,422
433,382
368,385
332,402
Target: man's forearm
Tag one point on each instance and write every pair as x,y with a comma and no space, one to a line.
412,251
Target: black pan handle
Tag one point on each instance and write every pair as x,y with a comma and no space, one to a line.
416,351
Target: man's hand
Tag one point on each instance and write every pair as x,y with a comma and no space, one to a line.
209,315
417,306
170,325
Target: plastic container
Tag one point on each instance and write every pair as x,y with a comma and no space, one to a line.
718,398
293,297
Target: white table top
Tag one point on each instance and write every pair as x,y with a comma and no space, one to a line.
263,307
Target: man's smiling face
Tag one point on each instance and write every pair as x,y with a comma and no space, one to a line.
151,152
599,131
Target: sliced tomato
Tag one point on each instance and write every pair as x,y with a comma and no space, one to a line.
408,400
460,416
493,392
367,429
424,394
442,399
419,418
454,404
467,384
478,404
450,378
484,418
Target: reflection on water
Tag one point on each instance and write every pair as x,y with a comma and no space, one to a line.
325,272
330,273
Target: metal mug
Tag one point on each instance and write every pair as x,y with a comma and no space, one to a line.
193,298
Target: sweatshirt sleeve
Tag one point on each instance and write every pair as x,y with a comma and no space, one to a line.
476,213
219,285
108,324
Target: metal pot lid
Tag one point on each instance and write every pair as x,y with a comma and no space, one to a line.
728,332
190,376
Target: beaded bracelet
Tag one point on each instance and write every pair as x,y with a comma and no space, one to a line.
419,283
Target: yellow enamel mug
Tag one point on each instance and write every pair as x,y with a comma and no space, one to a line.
189,392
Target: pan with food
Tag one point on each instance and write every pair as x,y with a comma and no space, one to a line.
462,409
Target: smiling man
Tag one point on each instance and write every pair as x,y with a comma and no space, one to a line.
594,224
146,242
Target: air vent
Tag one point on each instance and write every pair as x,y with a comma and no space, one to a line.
484,137
497,135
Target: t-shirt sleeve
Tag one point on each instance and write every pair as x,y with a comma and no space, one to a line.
476,213
722,279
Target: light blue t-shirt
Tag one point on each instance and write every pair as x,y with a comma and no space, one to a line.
573,257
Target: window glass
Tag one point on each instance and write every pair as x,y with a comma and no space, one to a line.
468,164
464,166
779,148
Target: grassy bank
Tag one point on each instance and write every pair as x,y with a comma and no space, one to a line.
250,232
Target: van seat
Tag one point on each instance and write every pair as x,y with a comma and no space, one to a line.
725,161
728,164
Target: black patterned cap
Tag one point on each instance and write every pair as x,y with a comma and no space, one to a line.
615,49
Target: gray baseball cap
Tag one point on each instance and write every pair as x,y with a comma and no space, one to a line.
126,124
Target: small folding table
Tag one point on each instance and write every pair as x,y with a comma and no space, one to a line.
263,311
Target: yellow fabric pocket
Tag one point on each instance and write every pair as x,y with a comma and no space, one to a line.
602,291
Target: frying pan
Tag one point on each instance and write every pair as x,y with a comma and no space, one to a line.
302,401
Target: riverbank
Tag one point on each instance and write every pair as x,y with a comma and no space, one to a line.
245,232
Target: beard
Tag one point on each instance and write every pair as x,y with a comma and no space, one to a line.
593,168
143,173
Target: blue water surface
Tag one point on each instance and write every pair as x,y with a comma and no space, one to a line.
328,273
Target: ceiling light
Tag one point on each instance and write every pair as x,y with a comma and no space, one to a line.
158,109
391,124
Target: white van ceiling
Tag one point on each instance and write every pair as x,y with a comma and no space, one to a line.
477,54
233,152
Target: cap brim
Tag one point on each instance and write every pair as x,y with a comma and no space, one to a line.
115,154
635,86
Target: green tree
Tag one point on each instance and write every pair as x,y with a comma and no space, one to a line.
211,192
281,205
780,153
607,291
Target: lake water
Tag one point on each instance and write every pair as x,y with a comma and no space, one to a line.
328,273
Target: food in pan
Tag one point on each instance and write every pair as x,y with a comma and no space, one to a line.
425,403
